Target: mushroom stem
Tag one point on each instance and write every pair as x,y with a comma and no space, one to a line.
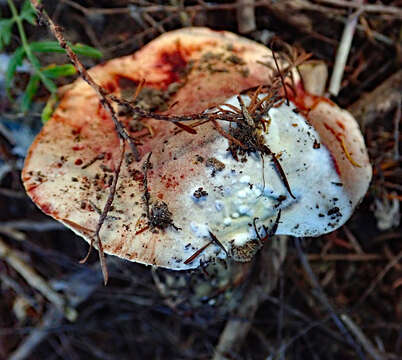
262,281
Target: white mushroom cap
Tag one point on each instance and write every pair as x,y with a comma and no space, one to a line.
195,183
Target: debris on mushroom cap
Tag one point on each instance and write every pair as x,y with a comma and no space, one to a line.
306,159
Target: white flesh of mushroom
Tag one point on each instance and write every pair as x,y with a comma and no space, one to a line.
237,194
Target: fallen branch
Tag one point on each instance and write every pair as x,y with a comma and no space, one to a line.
378,102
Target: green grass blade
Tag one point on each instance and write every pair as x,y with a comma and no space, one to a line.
56,71
5,32
53,46
49,108
15,61
28,12
86,50
30,92
49,84
46,46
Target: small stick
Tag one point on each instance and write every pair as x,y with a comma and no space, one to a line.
51,319
103,216
282,78
226,116
352,240
346,257
268,232
280,171
13,233
343,53
99,211
98,157
362,339
145,168
380,276
247,117
272,232
397,120
198,252
378,102
217,242
35,280
154,24
245,16
322,297
370,8
186,128
229,137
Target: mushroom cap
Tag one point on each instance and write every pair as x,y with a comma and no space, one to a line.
196,187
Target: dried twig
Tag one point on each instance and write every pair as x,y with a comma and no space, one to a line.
397,121
343,53
370,8
52,318
103,216
320,295
198,252
380,276
361,338
30,225
35,280
300,315
154,24
139,112
245,16
263,282
145,167
378,102
353,241
346,257
12,193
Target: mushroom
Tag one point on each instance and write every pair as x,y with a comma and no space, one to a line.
210,189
